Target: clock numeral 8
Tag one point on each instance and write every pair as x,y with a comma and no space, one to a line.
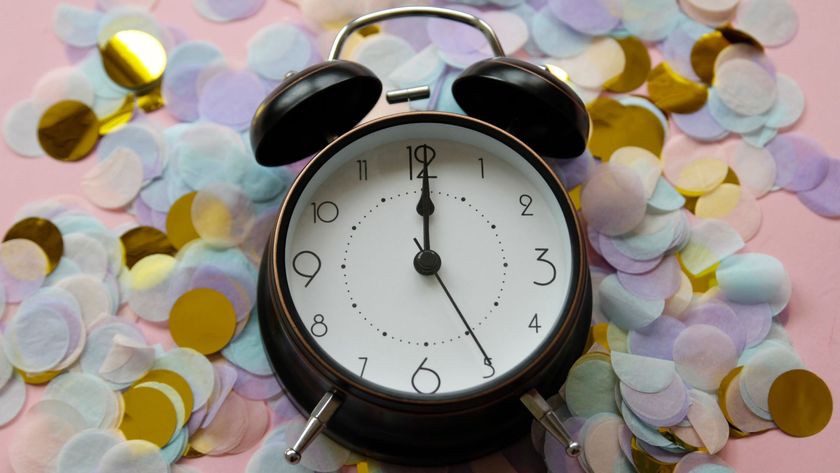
318,328
310,275
423,376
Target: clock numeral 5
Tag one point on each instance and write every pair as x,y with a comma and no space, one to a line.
542,252
325,212
425,377
302,268
318,328
423,154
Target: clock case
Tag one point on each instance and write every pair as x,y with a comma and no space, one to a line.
380,423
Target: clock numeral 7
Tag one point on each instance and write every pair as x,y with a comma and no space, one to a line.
302,265
540,257
425,377
364,365
423,154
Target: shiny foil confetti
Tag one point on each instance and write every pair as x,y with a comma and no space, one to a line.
668,212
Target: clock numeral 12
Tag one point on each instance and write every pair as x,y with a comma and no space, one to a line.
421,370
542,252
362,169
325,212
423,154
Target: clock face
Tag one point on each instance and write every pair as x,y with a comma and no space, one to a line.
498,226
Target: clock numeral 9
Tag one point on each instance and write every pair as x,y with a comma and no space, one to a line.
325,212
542,252
535,323
318,327
424,377
423,154
305,271
525,200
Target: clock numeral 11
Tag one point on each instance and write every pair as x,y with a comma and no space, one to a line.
362,169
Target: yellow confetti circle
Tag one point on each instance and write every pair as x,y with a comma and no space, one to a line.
674,93
202,319
134,59
636,66
149,415
141,242
800,403
68,130
179,225
615,126
175,381
41,232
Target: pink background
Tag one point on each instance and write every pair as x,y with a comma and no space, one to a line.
808,245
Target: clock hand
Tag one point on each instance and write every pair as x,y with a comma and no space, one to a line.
487,359
427,261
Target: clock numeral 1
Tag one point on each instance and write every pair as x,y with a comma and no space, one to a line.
481,161
423,376
542,252
307,255
318,328
535,323
325,212
525,200
362,169
364,365
423,154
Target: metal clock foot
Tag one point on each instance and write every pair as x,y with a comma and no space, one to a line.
317,422
545,415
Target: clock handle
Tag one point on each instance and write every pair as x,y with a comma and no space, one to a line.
318,419
546,416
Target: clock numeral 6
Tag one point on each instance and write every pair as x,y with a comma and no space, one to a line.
325,212
423,379
304,268
542,252
318,328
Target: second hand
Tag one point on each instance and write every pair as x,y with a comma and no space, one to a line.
487,360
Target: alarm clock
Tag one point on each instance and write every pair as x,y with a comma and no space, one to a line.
425,283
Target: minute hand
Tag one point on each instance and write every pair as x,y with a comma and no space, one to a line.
487,359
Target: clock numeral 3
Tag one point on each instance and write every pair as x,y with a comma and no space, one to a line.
542,252
325,212
525,200
309,275
423,154
318,328
425,378
535,323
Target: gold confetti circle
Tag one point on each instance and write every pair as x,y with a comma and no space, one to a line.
179,225
615,126
119,117
636,67
141,242
705,51
38,378
134,59
674,93
43,233
68,130
149,415
173,380
202,319
645,463
800,403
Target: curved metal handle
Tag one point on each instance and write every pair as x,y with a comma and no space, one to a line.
400,12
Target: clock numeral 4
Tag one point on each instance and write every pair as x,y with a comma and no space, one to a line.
535,323
540,257
325,212
302,265
424,378
318,327
525,201
423,154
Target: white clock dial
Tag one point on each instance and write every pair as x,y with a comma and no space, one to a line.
504,246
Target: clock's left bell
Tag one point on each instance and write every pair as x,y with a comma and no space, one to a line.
310,108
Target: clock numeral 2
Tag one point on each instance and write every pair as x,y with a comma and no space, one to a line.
422,154
535,323
318,328
423,376
364,365
362,169
542,252
310,275
325,212
525,200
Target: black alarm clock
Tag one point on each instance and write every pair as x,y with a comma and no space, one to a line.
426,275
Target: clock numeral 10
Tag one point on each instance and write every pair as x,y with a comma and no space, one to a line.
423,154
540,257
425,377
302,268
535,323
318,328
325,212
362,169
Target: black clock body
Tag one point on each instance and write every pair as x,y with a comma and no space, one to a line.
434,430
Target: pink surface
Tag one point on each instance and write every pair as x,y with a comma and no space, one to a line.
808,245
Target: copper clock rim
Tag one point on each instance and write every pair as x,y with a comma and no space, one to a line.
336,375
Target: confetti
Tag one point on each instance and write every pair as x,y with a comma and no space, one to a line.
279,49
68,130
202,319
800,403
227,10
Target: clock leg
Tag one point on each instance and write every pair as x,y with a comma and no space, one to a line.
545,415
317,422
